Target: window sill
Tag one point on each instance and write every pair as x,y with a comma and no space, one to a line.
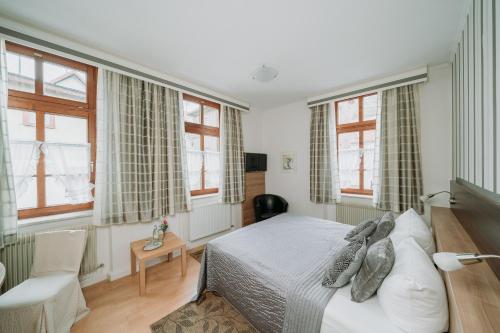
360,196
205,200
54,218
356,200
204,196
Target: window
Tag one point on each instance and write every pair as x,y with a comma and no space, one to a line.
51,123
356,118
201,119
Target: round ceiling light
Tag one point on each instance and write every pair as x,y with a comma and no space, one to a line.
265,73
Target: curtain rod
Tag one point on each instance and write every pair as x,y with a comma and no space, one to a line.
369,88
60,48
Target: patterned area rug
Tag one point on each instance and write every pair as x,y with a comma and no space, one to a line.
214,314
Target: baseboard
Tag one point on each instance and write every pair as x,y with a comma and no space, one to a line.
117,274
93,278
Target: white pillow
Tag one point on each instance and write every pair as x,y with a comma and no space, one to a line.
413,295
410,224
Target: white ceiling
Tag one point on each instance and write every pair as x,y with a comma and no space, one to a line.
317,45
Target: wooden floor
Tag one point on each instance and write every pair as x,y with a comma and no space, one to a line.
117,307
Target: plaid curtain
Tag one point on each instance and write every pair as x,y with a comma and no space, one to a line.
323,169
8,208
233,187
400,170
142,175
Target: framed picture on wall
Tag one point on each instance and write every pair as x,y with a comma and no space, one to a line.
288,162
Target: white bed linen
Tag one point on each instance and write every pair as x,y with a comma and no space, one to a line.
345,316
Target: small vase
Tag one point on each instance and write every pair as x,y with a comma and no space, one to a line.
164,233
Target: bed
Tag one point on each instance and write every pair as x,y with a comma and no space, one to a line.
260,269
272,271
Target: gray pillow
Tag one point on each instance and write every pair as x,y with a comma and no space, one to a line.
384,228
345,264
377,264
361,231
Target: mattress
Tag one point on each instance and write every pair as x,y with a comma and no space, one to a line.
345,316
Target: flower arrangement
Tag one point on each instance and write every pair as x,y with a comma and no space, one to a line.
164,226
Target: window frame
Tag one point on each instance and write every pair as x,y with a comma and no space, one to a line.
360,126
202,130
41,104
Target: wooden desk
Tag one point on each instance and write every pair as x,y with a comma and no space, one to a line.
473,291
170,244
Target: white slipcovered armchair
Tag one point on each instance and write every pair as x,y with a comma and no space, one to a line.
51,300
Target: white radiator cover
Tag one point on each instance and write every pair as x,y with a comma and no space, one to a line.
354,214
207,220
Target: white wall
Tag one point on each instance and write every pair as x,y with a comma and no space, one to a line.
436,123
476,89
252,131
286,128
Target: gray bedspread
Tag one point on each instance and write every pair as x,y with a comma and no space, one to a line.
271,271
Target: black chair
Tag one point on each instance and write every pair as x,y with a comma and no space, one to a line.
268,205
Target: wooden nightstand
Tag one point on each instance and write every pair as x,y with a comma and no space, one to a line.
170,244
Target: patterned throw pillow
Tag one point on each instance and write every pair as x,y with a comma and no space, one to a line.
377,264
384,228
362,230
345,264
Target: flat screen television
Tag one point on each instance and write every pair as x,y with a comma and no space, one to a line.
255,162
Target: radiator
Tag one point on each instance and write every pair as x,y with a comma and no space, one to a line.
18,256
208,220
354,214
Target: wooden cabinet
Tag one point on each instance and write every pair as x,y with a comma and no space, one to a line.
255,184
